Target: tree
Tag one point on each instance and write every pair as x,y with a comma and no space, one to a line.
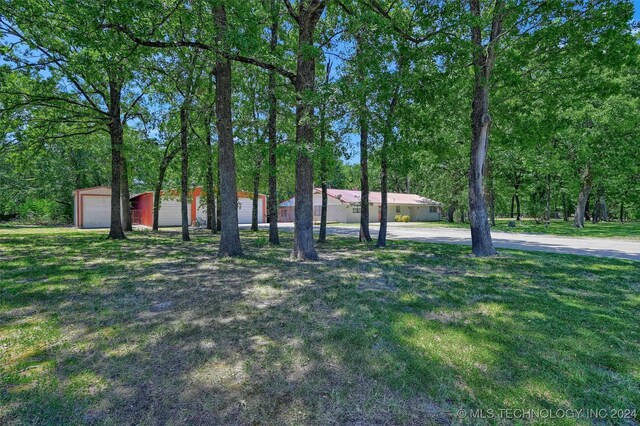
94,71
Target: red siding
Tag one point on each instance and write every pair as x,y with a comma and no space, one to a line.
143,209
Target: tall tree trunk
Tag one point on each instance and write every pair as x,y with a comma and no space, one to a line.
483,59
116,134
622,211
604,214
308,16
272,133
462,214
547,209
218,198
364,180
184,178
513,201
256,194
565,208
230,238
587,208
322,236
166,159
450,212
384,166
257,167
581,207
125,198
364,235
518,210
384,192
211,197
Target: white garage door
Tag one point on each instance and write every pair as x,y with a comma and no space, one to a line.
170,213
245,206
96,211
201,209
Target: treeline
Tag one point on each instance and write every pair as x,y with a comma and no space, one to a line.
496,108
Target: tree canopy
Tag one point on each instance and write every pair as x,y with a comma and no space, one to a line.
492,107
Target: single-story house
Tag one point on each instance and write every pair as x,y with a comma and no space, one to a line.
343,205
92,208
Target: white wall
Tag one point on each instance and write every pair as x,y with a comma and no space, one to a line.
416,213
245,206
170,213
338,211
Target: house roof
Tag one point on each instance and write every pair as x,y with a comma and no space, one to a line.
352,196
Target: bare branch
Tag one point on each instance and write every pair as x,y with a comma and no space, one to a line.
204,46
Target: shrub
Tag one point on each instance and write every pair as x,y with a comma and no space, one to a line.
398,218
406,218
41,211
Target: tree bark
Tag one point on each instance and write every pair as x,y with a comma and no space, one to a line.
125,198
257,167
166,159
483,58
184,177
365,235
218,198
621,211
272,133
309,12
547,209
384,192
578,218
254,201
322,236
450,212
565,209
211,197
230,238
513,200
384,166
116,134
604,213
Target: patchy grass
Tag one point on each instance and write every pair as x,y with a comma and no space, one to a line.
152,330
555,227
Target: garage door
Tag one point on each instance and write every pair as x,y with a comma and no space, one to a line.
245,206
170,213
96,211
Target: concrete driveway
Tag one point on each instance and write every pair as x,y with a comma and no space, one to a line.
603,247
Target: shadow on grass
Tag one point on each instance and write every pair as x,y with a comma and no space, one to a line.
153,330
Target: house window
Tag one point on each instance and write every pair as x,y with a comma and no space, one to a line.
317,210
356,209
397,209
433,209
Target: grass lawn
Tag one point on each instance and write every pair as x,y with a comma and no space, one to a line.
156,331
629,230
